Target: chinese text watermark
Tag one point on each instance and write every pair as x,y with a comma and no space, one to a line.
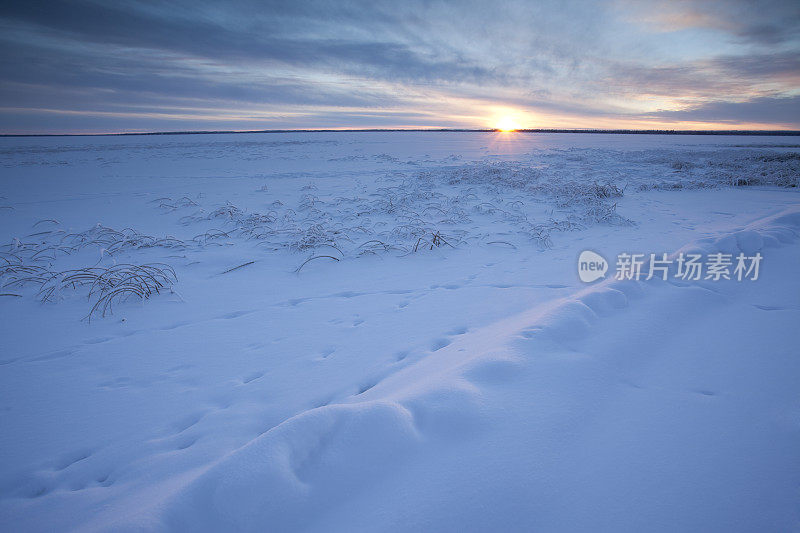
683,266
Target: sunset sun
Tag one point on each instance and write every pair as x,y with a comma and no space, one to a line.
507,123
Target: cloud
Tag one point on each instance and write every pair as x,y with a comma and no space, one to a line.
354,63
766,22
734,76
780,111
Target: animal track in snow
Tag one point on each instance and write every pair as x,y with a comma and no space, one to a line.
438,344
235,314
188,422
252,377
774,307
70,459
186,442
324,354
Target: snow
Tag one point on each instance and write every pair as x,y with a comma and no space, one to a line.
442,369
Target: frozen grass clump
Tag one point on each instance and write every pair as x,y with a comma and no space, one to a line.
112,241
48,245
39,262
225,212
13,271
404,212
315,236
606,214
109,285
699,169
104,286
169,204
583,201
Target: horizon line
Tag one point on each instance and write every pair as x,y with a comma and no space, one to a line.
616,131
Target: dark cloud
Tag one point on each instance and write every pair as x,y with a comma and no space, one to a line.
269,33
725,75
780,111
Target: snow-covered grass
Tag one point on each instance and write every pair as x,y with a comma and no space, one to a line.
375,331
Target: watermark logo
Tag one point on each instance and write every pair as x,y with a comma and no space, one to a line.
683,266
689,267
591,266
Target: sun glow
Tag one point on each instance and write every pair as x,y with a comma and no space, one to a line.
507,123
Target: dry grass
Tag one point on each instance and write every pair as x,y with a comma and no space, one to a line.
297,271
107,286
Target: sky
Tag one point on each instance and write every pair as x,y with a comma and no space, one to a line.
140,66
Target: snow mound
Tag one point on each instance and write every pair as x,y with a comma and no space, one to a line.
297,474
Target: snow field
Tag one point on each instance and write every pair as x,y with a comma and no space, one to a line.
478,386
